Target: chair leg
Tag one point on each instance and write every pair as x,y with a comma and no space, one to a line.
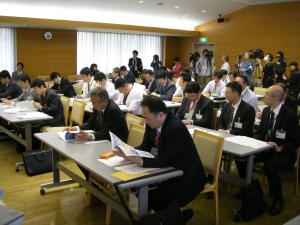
216,207
296,180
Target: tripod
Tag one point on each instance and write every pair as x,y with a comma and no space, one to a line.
257,76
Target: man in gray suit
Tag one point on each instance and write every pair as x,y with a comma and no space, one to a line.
27,94
165,88
18,72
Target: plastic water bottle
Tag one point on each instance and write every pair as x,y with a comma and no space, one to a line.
1,197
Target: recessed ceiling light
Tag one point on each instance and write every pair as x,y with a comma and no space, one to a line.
141,2
176,7
159,3
204,11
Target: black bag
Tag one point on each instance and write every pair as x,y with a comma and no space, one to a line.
37,162
171,215
253,204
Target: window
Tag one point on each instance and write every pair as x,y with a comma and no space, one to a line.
7,49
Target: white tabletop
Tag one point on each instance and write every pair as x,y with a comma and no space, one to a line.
171,104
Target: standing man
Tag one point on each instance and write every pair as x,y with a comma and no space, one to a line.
205,68
18,72
135,64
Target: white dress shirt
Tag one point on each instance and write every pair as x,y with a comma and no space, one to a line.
112,92
178,92
225,66
210,87
250,97
85,88
134,99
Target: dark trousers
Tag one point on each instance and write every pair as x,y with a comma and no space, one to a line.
274,163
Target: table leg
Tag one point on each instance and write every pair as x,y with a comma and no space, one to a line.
249,169
28,144
143,201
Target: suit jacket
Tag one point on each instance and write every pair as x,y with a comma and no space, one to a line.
65,87
176,149
26,95
166,92
139,65
52,106
291,103
245,114
130,77
287,121
113,121
204,108
11,91
152,87
15,76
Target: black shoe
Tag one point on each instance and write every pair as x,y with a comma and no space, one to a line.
276,207
209,195
187,214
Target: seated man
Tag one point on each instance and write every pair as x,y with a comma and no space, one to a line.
10,89
237,117
196,109
115,75
164,137
165,88
107,117
128,75
62,85
89,83
183,79
215,87
130,95
232,76
289,101
247,95
101,80
150,83
280,128
225,76
27,94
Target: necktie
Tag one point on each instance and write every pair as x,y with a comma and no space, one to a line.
270,125
216,86
124,99
156,139
89,87
192,107
100,120
230,118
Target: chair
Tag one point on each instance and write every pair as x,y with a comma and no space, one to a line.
210,148
66,104
44,78
76,117
260,91
136,135
296,169
132,119
73,78
78,88
213,122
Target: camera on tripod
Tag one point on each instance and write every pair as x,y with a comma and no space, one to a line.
210,54
256,54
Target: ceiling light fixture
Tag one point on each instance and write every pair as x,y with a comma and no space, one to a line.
176,7
141,2
204,11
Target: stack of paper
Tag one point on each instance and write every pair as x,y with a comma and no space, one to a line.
25,106
11,110
114,161
32,115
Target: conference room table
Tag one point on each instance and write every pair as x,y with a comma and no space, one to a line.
86,154
13,115
241,150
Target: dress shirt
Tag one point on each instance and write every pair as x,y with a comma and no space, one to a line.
218,91
250,97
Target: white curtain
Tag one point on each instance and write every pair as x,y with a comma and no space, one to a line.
7,49
109,50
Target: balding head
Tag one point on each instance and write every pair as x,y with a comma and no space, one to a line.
274,96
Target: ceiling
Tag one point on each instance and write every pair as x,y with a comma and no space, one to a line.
174,14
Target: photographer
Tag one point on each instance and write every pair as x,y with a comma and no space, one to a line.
205,67
238,63
279,67
156,64
267,70
194,57
294,82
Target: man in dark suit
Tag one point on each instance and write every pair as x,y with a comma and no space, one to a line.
165,88
289,101
62,86
135,64
280,128
10,89
164,137
151,83
237,117
107,117
196,109
128,75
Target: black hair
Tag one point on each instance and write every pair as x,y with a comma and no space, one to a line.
218,75
135,52
24,77
233,73
192,87
150,72
21,64
5,74
176,59
186,70
235,87
92,66
245,78
121,83
226,58
270,56
156,57
154,104
100,76
54,75
204,51
163,75
185,77
123,68
223,72
117,70
85,71
281,54
294,63
38,83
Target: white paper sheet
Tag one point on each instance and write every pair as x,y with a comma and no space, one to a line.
247,141
134,169
114,161
32,115
123,108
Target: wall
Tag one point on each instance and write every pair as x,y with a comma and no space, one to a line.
41,57
271,27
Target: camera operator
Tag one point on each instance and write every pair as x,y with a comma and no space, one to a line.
156,64
294,82
194,57
205,67
238,63
279,67
267,71
225,65
247,67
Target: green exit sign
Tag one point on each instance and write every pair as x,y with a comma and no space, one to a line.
203,39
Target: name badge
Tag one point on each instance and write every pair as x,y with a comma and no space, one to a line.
188,116
154,151
198,116
238,125
280,134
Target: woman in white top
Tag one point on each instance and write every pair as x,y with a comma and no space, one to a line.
225,65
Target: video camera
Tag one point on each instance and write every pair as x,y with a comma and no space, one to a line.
256,54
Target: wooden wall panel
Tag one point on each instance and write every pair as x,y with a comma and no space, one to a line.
41,57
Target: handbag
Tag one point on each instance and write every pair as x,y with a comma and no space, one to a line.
37,162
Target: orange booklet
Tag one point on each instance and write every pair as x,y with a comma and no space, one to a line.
107,154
